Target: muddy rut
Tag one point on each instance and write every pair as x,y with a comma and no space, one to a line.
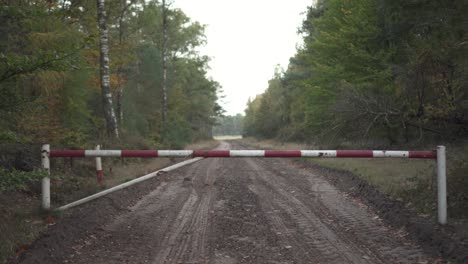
245,210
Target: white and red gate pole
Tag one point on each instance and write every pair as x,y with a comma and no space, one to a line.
45,161
99,173
441,185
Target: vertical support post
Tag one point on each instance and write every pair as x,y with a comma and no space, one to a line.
99,167
441,185
46,180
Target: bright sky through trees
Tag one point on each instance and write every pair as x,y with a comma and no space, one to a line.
246,40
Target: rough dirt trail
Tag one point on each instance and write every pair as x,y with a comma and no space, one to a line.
244,210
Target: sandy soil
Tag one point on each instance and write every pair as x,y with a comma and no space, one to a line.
227,211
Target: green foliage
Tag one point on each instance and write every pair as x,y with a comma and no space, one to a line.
374,71
49,74
8,137
177,133
229,125
19,180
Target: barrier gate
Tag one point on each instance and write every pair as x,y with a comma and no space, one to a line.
438,155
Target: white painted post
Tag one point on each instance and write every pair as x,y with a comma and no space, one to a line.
46,180
99,173
441,185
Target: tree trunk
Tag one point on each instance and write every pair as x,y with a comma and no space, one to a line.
109,114
119,105
164,63
123,8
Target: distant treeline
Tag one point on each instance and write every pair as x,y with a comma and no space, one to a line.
391,71
49,73
229,125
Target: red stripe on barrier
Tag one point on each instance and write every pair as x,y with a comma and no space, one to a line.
282,153
67,153
422,154
140,153
99,176
354,154
211,153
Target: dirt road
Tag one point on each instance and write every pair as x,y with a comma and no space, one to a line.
243,210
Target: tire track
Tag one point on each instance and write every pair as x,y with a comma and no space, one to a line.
246,211
350,220
321,245
353,228
152,213
241,230
186,242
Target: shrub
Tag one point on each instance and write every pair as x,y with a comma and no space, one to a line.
11,180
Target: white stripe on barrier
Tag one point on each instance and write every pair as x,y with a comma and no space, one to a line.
390,154
318,153
103,153
172,153
247,153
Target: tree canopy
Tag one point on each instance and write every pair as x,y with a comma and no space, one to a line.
391,71
49,73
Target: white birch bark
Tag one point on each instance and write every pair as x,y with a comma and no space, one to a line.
109,114
164,63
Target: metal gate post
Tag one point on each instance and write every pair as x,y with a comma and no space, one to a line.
441,185
99,173
45,161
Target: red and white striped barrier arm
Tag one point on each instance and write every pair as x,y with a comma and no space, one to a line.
438,155
247,153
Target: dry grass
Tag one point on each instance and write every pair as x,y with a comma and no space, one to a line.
272,144
389,175
20,223
205,144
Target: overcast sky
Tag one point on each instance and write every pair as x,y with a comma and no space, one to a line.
246,40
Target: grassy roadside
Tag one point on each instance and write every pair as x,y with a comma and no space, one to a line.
410,181
21,220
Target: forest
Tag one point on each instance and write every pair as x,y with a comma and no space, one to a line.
152,89
379,72
128,74
125,74
229,125
376,74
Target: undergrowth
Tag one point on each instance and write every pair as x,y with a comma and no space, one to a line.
11,180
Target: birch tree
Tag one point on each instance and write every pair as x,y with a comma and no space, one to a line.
109,114
164,63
